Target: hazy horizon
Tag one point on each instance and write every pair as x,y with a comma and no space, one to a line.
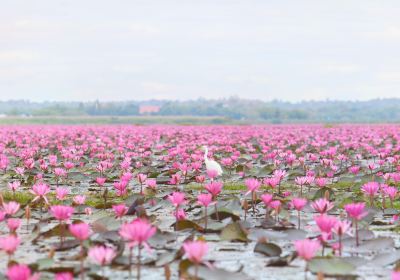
196,99
184,50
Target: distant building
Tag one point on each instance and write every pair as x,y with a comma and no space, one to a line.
148,109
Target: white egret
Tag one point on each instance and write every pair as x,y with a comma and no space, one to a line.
211,164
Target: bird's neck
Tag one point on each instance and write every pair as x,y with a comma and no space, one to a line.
205,155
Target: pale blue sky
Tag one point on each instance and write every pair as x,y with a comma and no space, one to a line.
170,49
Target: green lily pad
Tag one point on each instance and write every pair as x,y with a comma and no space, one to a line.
331,266
268,249
234,232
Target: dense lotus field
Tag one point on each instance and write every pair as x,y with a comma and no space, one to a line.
146,202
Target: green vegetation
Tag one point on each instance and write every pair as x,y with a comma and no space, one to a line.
137,120
202,111
23,198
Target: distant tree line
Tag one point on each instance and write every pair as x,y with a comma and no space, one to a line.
378,110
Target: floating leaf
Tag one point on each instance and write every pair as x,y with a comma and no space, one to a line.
295,234
261,234
268,249
187,224
106,224
217,274
234,232
331,266
385,259
66,245
375,245
321,193
166,258
44,264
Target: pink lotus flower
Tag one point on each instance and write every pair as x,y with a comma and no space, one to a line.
214,188
196,166
64,276
267,198
341,228
9,244
252,185
61,193
390,191
204,199
151,183
325,224
200,179
137,232
121,188
180,215
13,186
20,171
322,205
212,173
88,211
276,205
60,172
227,161
272,182
69,165
301,181
307,249
141,178
2,216
280,174
11,208
21,272
79,199
371,189
62,212
80,231
299,203
13,224
101,255
177,198
120,210
40,191
100,181
395,275
354,169
175,179
321,182
195,250
53,160
356,210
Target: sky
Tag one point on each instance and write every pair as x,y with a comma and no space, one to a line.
184,49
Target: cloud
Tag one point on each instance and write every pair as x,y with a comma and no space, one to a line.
244,79
18,56
390,76
157,87
144,28
337,67
388,33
